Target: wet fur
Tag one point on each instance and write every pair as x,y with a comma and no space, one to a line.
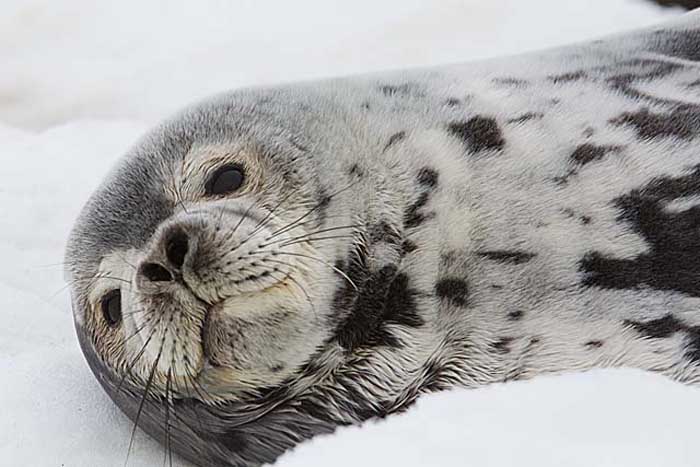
516,217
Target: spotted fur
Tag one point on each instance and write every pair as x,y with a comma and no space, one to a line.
455,226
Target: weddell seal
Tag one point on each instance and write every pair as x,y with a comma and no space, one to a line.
273,263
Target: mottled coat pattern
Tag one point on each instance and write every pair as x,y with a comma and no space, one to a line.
509,218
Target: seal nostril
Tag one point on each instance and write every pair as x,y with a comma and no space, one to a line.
176,248
154,272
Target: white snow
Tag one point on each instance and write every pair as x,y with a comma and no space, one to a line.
81,80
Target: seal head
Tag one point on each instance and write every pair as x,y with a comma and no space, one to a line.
202,270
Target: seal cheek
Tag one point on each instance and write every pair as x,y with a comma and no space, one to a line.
256,341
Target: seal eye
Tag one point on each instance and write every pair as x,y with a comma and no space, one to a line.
224,180
112,307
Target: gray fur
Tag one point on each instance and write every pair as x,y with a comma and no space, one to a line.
471,224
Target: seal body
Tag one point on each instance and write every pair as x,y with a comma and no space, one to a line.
393,235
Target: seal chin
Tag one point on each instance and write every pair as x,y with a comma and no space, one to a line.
186,346
162,338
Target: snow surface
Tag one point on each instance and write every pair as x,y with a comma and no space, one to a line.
82,80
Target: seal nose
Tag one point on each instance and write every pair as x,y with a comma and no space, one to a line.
166,268
176,246
155,272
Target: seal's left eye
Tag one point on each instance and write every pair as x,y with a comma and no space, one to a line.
111,305
224,180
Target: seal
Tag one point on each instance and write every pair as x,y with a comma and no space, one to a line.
273,263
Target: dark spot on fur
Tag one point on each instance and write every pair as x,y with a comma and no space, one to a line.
582,155
479,134
683,44
694,84
383,232
408,247
673,240
401,90
593,344
639,70
568,77
391,90
526,117
384,298
682,122
356,171
428,177
395,138
325,199
668,326
453,102
657,328
502,345
517,82
516,315
585,220
453,289
692,350
413,217
365,106
507,256
587,153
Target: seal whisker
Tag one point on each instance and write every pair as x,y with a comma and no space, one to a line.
121,257
168,451
303,290
187,378
299,237
319,204
146,390
130,366
279,252
187,393
149,320
314,239
262,223
271,212
89,282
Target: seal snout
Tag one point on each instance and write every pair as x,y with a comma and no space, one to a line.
165,264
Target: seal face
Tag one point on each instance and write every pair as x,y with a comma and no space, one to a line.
273,263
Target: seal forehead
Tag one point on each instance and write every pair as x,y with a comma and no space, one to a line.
123,212
134,198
